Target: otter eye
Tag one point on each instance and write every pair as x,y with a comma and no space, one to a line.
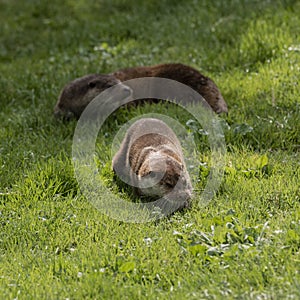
92,84
152,174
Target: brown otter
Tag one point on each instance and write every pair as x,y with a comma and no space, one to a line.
151,160
77,94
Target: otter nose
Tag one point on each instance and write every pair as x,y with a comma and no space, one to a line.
57,112
60,114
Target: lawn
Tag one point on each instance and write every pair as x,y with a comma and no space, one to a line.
244,244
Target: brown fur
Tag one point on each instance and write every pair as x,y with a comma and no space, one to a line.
77,94
183,74
151,153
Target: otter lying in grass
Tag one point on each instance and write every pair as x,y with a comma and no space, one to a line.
150,159
77,94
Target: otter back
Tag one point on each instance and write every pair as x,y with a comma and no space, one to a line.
183,74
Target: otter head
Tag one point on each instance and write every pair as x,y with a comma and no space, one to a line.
77,94
210,92
162,175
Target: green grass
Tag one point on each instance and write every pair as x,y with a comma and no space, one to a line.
244,245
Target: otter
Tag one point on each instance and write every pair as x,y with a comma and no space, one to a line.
77,94
150,159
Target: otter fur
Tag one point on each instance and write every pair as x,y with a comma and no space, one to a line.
77,94
183,74
150,159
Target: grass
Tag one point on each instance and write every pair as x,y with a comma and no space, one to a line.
244,245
